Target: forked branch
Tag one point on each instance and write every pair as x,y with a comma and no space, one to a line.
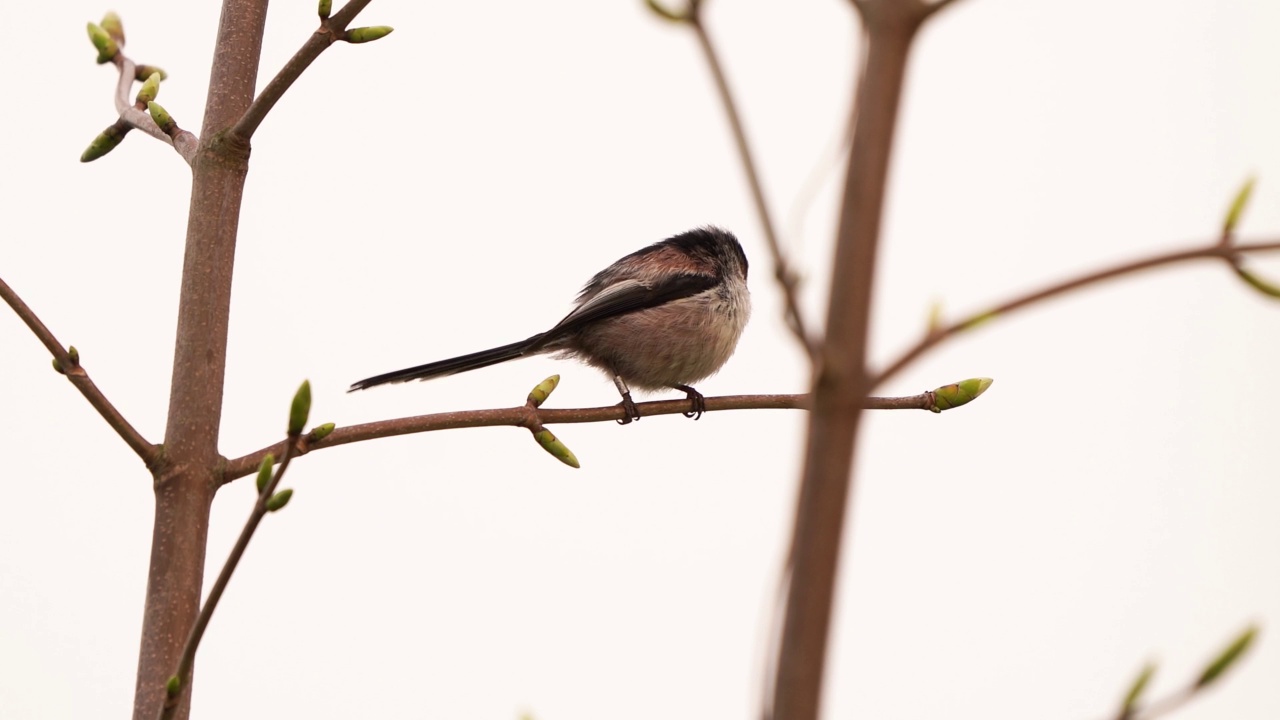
935,337
332,29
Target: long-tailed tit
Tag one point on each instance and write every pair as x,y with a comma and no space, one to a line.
662,317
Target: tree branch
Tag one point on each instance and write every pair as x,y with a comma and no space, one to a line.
1214,250
184,490
525,416
148,452
787,278
330,32
939,5
183,141
182,676
841,382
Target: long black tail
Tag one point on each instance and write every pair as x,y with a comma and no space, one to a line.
462,363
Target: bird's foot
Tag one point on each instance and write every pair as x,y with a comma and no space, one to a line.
629,409
697,403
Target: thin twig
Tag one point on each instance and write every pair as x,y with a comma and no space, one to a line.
524,416
1168,704
329,32
787,278
259,511
147,451
185,143
936,337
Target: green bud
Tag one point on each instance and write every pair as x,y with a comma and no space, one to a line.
300,409
552,444
106,46
961,393
264,471
977,320
57,367
113,26
150,88
74,354
106,141
142,72
173,686
279,500
935,317
1227,657
325,7
367,34
664,13
162,117
539,394
320,432
1257,283
1135,690
1238,204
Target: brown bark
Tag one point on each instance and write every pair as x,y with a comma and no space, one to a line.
841,383
188,478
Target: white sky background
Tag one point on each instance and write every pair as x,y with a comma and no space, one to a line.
1112,499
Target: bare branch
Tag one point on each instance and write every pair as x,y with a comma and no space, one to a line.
936,337
840,381
787,278
526,416
70,366
330,31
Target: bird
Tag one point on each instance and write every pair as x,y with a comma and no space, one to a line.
666,316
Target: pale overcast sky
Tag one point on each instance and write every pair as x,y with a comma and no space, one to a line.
1112,499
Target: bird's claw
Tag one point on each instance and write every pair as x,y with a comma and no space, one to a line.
697,403
629,409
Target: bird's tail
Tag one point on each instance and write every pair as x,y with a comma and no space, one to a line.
452,366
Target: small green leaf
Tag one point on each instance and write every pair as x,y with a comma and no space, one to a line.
319,432
113,26
1227,657
961,393
279,500
106,46
106,141
325,7
539,394
174,686
74,354
264,471
1238,204
150,89
558,450
300,409
367,34
1136,689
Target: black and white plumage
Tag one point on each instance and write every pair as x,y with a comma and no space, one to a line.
665,316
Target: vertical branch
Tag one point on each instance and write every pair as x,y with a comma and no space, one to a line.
184,491
841,382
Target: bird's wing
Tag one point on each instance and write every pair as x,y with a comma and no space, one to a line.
631,295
